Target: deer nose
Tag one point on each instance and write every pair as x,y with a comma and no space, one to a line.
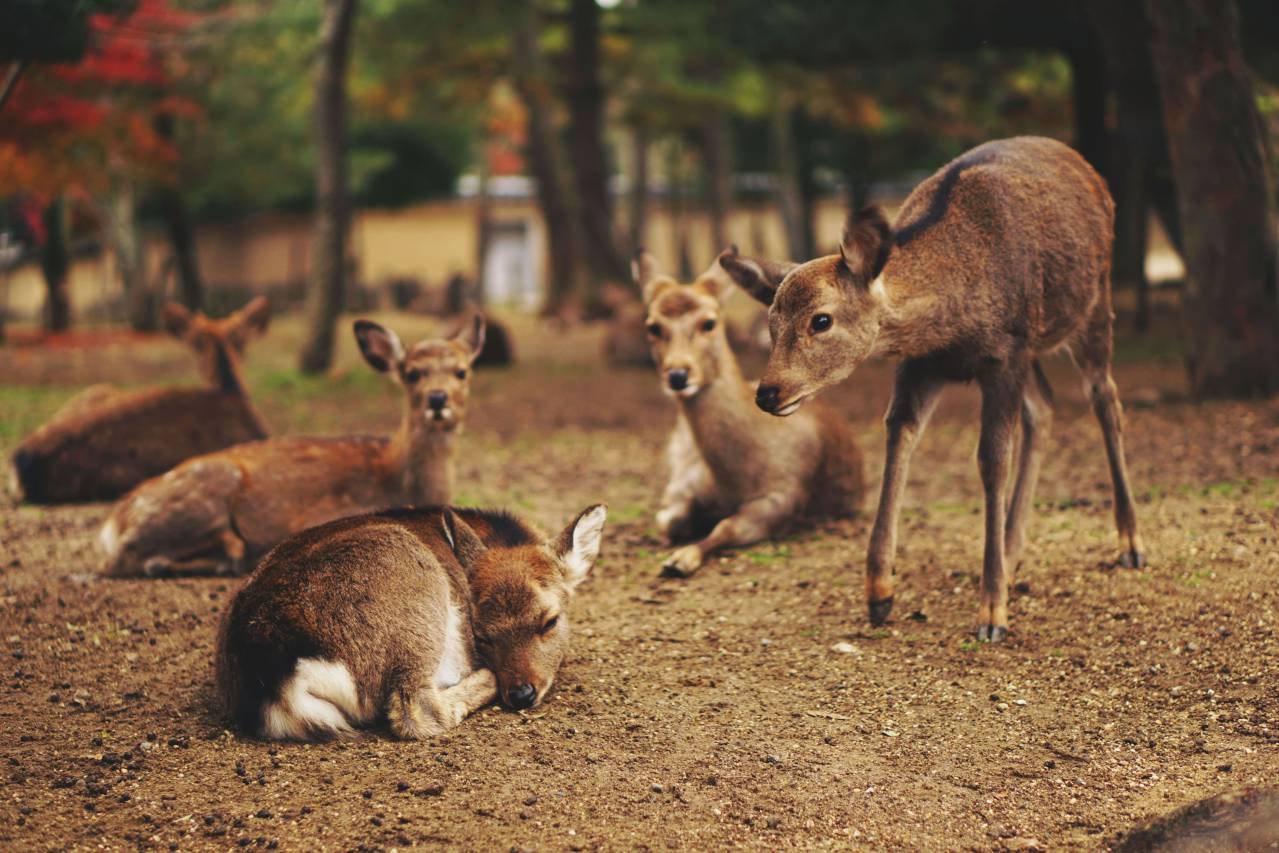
766,397
521,696
436,400
677,379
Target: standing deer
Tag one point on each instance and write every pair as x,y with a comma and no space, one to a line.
1004,255
416,616
105,441
221,512
733,470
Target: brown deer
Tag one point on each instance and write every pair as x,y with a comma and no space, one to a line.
734,471
415,616
220,512
1002,255
105,441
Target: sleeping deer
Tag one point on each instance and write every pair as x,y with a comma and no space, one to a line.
415,616
734,471
105,441
1001,256
220,512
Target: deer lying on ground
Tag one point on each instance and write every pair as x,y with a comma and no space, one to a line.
417,616
220,512
1004,255
735,471
105,441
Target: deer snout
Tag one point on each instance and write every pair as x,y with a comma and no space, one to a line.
437,400
677,378
768,397
521,697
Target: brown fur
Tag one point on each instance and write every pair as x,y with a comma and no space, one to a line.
734,470
373,594
1002,255
222,511
105,441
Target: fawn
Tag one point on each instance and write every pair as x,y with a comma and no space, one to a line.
105,441
1004,256
419,616
733,470
222,511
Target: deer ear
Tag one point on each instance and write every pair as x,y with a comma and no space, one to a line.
648,275
866,244
472,335
380,346
466,545
177,319
251,321
579,544
759,278
716,280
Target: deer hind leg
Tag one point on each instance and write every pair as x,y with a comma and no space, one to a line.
1092,356
1003,393
1036,422
755,520
914,398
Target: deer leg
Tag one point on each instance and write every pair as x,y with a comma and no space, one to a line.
1109,411
754,521
689,494
914,397
455,704
1003,393
1036,421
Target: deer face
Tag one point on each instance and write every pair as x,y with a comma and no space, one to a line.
211,340
684,329
824,316
521,597
435,374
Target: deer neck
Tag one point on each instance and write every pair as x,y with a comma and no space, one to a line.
722,408
912,320
423,456
229,380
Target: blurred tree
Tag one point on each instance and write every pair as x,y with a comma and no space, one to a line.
55,263
1225,195
327,291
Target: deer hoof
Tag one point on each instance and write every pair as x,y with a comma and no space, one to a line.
683,562
1132,559
991,633
879,611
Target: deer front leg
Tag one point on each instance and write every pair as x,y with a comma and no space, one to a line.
914,397
754,521
1002,397
690,488
453,705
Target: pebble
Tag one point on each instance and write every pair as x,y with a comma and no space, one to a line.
1001,707
657,788
843,647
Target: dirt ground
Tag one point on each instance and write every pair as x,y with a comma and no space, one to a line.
705,713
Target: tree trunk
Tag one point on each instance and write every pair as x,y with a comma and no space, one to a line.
789,200
141,307
544,161
327,291
1225,197
55,263
639,188
483,221
675,208
584,95
1088,93
717,154
181,235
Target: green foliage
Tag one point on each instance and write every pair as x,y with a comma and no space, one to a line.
51,30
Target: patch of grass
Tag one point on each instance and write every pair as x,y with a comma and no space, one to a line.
627,513
770,556
27,407
969,646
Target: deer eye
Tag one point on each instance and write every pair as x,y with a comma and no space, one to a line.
655,330
412,375
821,322
460,373
708,325
549,626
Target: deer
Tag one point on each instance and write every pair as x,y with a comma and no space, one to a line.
417,616
737,476
1000,257
221,512
104,441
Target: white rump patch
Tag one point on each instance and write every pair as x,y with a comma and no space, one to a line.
318,699
109,538
455,660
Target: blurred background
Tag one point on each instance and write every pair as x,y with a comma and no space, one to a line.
421,155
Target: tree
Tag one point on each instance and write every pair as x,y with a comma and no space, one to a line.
327,292
1225,196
